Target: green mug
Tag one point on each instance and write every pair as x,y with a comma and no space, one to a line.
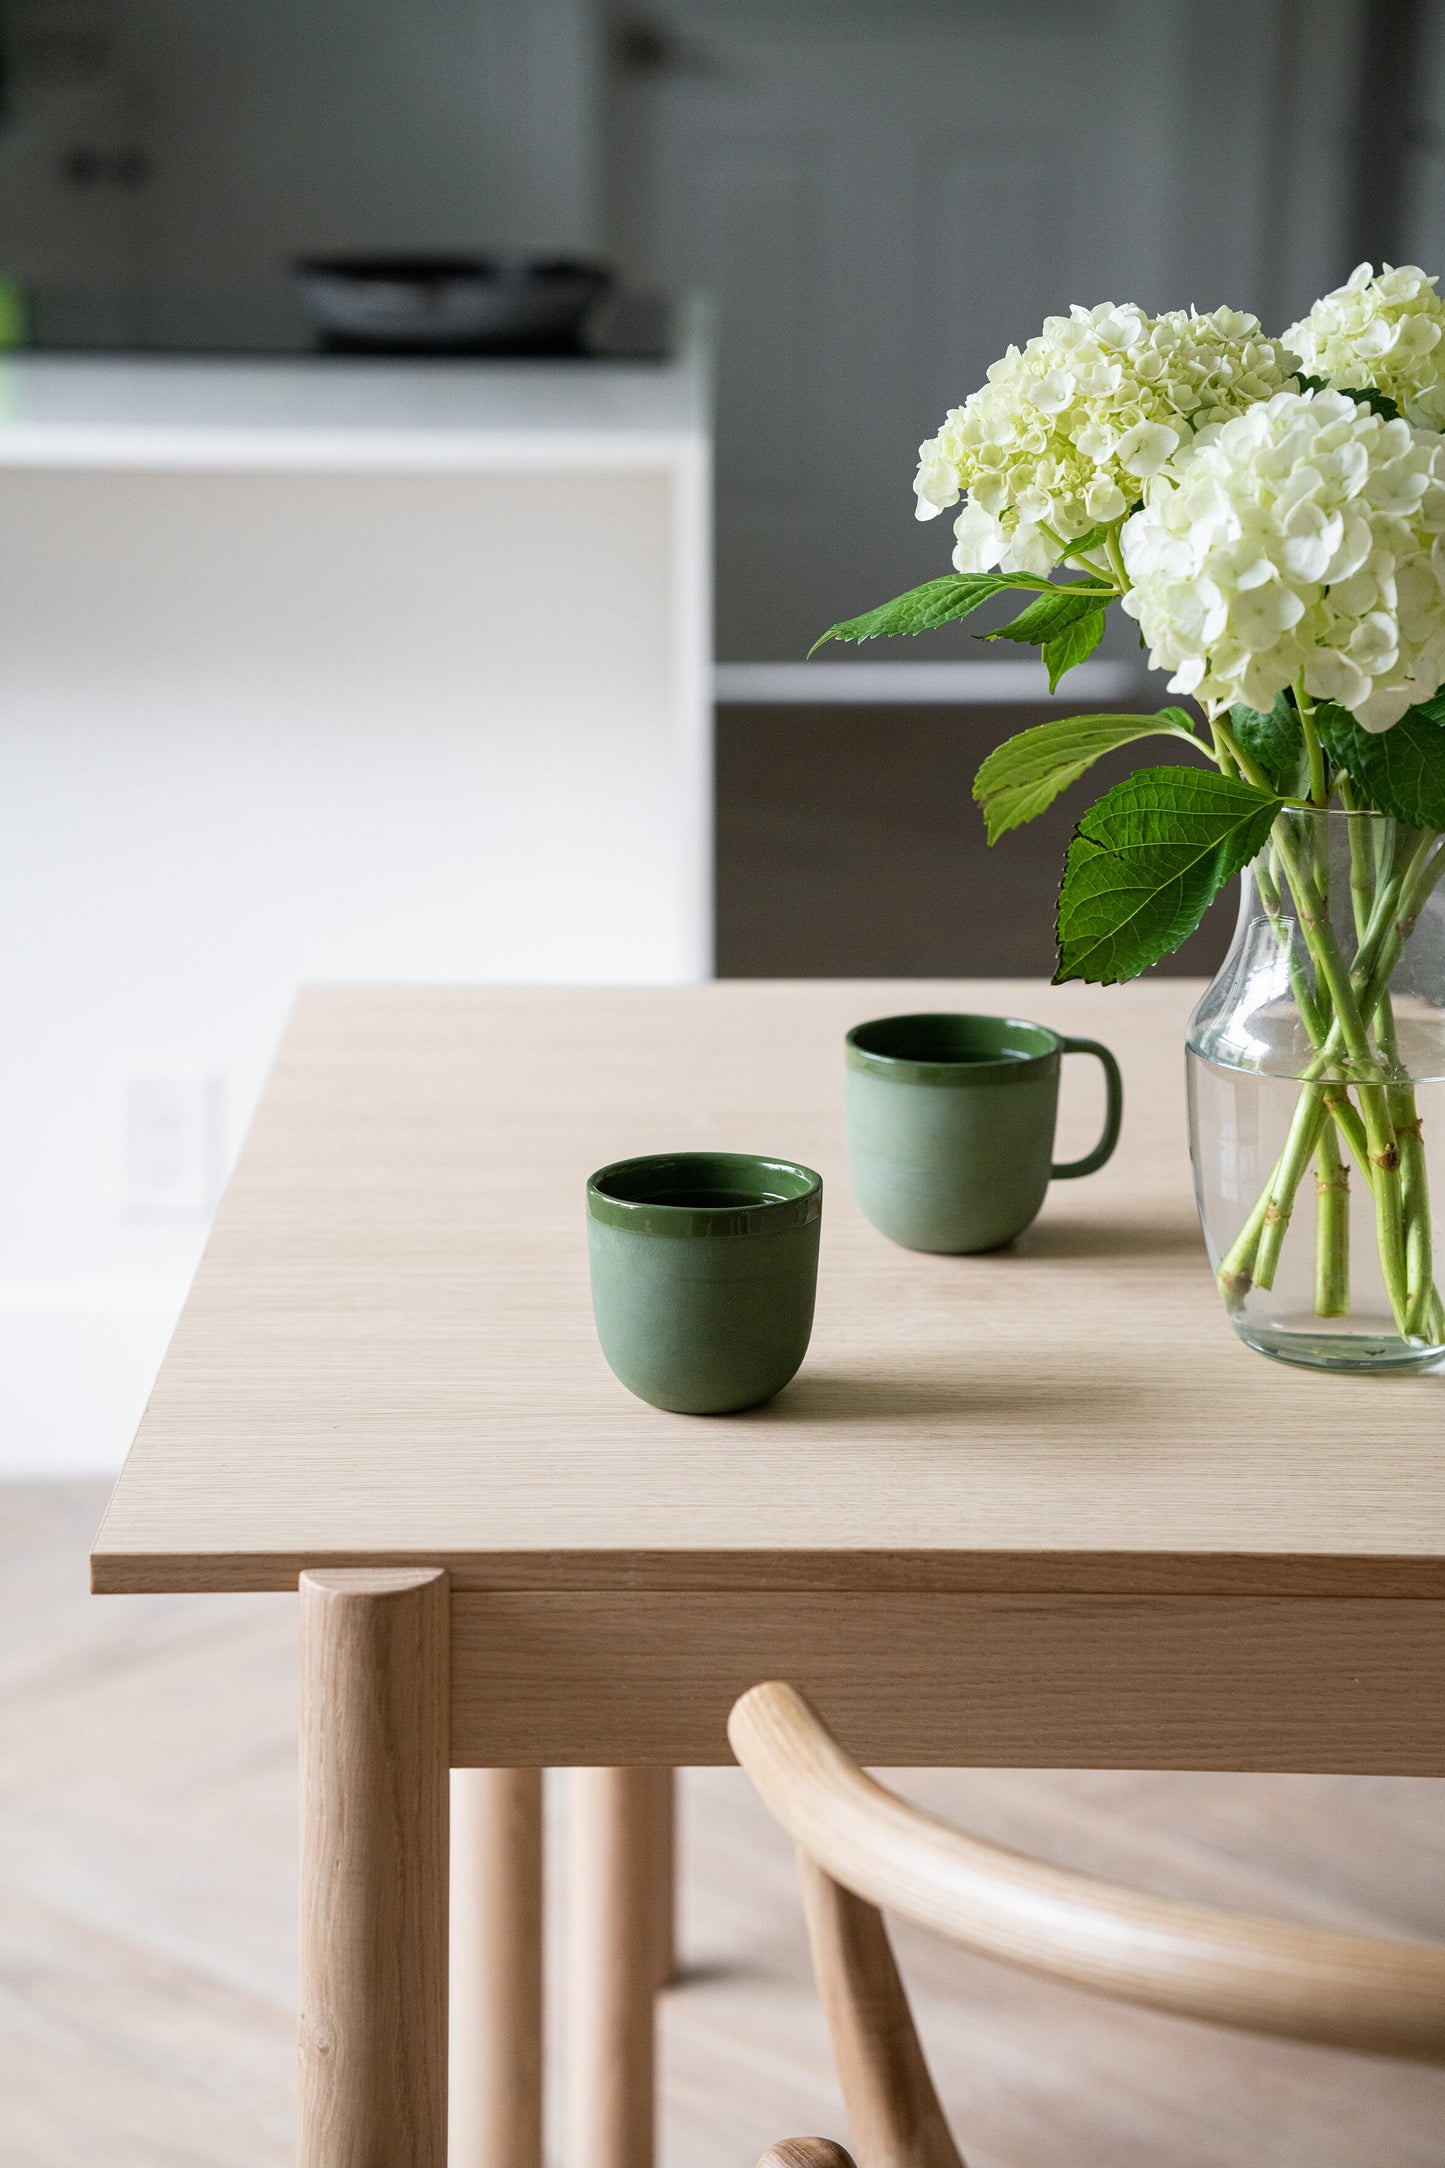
704,1267
951,1125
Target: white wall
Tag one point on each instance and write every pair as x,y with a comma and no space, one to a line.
265,729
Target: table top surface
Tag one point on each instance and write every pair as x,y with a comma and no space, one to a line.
388,1353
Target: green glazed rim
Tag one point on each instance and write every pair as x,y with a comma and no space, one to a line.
936,1047
632,1193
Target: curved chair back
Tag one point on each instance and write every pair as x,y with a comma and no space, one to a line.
863,1848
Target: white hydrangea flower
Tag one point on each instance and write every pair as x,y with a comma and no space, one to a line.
1304,540
1064,433
1383,334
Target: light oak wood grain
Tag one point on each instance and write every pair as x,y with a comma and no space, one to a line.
148,1834
494,2001
892,2106
662,1813
373,2022
612,1969
388,1354
1225,1682
806,2153
1350,1991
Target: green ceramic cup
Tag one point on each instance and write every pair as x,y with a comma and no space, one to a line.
951,1125
704,1267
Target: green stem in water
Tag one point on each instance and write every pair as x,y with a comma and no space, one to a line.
1332,1207
1346,1119
1425,1313
1404,1112
1236,1271
1369,1078
1313,1110
1310,1115
1332,1227
1398,899
1398,902
1414,1177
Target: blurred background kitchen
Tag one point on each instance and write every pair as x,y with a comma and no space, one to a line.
324,655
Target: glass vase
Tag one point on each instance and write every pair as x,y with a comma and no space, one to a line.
1317,1097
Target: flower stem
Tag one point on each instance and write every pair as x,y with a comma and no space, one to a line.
1310,1115
1319,781
1332,1227
1315,1022
1398,901
1251,771
1392,904
1404,1113
1071,555
1414,1177
1369,1079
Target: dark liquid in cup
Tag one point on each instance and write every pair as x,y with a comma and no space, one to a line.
710,1200
948,1054
975,1061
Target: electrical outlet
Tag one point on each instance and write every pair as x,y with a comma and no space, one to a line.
170,1144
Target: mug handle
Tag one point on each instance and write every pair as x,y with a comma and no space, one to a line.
1113,1111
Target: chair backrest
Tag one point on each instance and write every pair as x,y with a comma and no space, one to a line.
863,1848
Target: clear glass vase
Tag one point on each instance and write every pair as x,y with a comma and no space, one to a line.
1317,1097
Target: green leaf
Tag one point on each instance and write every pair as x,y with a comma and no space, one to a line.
1072,645
937,602
1050,614
1401,771
1026,773
1378,402
1067,623
1147,861
1273,740
1092,539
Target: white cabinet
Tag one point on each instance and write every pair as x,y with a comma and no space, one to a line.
316,670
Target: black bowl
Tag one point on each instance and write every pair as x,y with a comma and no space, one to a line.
449,304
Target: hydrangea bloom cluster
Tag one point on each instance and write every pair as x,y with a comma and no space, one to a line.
1385,333
1300,541
1064,433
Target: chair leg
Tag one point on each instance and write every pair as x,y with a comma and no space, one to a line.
495,2087
892,2106
614,1959
374,1754
806,2153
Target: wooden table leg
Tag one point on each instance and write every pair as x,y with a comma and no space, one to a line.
663,1811
374,1756
496,1969
620,1912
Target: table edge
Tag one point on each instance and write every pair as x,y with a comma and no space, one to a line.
126,1571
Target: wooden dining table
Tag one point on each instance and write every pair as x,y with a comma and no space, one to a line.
1038,1508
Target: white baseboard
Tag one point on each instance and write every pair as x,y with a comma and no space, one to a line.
77,1362
1011,679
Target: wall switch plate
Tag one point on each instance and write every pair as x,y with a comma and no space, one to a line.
170,1145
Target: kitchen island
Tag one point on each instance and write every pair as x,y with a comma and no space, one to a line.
311,668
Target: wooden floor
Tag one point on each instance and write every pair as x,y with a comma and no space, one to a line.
147,1862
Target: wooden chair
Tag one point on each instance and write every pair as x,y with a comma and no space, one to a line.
861,1849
